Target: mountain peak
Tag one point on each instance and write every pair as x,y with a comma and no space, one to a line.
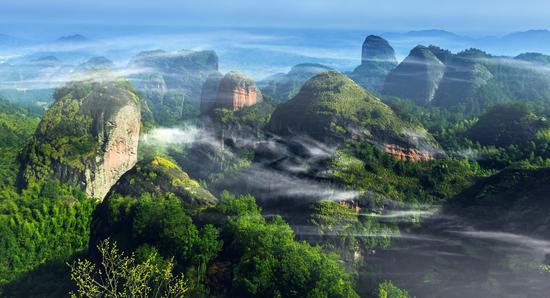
73,38
377,49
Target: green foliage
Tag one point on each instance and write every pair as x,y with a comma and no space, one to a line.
505,125
343,229
270,263
162,176
331,105
118,275
515,198
45,222
388,290
17,126
362,166
157,221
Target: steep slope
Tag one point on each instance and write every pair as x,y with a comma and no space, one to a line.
283,87
466,74
377,60
331,107
233,92
417,77
88,137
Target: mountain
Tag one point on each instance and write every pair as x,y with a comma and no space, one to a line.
93,63
471,79
38,73
183,70
87,138
76,38
417,77
534,58
283,87
170,82
518,42
331,107
377,60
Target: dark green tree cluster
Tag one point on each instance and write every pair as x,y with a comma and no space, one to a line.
363,166
268,262
46,222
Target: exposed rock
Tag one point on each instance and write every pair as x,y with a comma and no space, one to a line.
87,138
234,91
377,49
408,154
283,87
416,78
161,176
377,60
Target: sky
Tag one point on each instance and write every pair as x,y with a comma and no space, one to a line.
464,16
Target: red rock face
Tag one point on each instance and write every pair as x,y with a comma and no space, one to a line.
233,91
410,154
243,96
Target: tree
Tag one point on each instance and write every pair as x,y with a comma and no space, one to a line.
388,290
118,275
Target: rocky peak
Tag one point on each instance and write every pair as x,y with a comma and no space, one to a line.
377,60
88,137
234,91
377,49
417,77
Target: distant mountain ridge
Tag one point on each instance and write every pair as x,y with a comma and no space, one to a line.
471,77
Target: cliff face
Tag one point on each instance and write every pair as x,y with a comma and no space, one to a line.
417,77
377,60
88,138
234,91
407,154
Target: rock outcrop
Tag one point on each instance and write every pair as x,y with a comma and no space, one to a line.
283,87
416,78
377,60
234,91
88,137
407,154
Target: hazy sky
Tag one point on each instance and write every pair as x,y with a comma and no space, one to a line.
473,16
